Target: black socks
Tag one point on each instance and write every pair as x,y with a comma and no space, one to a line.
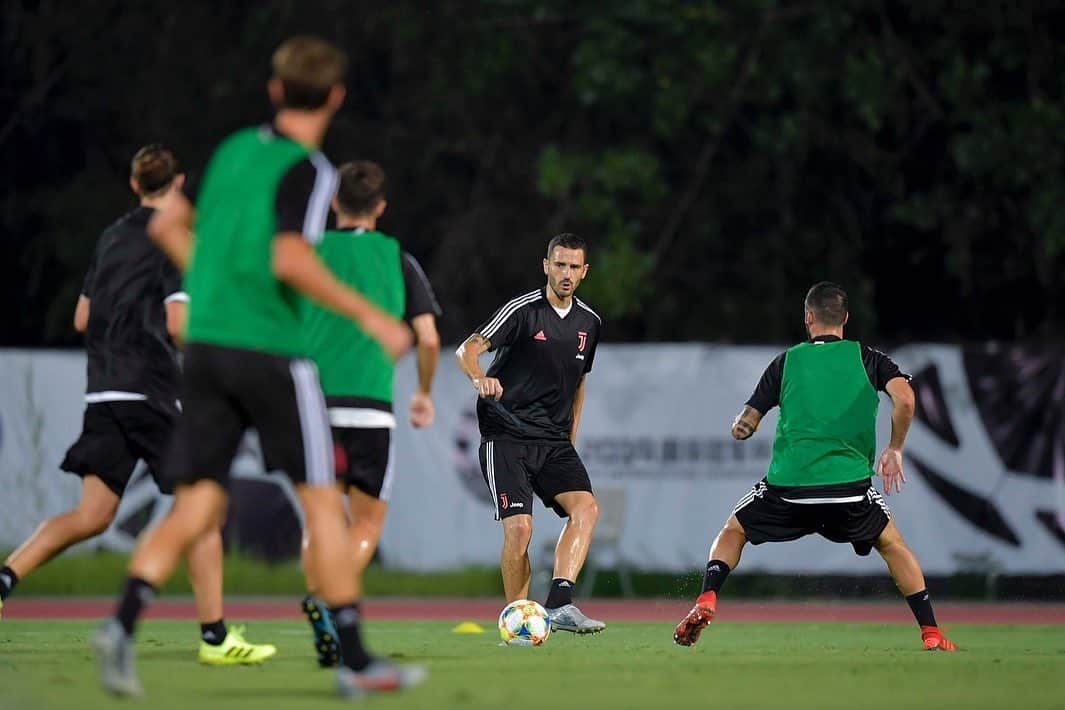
561,593
921,606
346,619
8,580
716,573
213,633
137,595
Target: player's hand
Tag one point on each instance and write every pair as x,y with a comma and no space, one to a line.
889,467
488,387
393,335
422,411
743,428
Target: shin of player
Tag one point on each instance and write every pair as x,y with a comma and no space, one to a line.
263,205
528,410
827,392
357,374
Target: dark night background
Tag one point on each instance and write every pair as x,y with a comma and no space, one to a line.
719,156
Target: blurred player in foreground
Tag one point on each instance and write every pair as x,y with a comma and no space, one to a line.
357,373
819,479
132,310
528,410
262,206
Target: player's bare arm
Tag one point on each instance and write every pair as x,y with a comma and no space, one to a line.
422,411
746,423
889,466
171,229
295,263
469,354
578,403
81,314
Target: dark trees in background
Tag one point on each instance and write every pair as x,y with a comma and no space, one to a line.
720,157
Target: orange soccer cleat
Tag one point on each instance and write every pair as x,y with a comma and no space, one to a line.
688,630
934,640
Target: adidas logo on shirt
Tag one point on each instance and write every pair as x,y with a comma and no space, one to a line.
540,336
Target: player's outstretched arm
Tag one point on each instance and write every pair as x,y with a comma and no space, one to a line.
296,263
422,411
889,466
469,354
171,229
746,423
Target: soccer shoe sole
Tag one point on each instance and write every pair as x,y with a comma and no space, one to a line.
691,628
576,629
325,643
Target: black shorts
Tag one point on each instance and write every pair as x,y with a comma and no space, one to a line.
767,515
514,472
228,390
364,460
115,435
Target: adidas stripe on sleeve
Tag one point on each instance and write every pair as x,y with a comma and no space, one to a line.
504,325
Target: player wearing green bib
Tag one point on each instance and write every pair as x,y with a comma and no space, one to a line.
262,206
819,480
357,373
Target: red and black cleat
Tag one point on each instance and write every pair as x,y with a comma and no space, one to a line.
934,640
688,630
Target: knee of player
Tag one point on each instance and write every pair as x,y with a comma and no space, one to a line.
94,521
587,511
518,528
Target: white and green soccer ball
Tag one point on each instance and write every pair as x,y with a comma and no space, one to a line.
524,623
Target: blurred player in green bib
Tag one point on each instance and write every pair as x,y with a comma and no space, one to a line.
820,477
357,373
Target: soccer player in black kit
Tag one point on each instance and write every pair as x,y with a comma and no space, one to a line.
132,310
528,412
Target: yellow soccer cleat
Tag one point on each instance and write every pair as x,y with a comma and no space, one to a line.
234,650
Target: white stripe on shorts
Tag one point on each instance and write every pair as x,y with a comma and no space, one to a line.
314,424
490,467
390,471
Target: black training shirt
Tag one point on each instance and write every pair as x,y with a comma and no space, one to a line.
128,283
880,368
540,360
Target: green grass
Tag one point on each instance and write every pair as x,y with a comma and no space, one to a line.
48,665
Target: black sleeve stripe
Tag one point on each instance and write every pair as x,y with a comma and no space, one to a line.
507,311
426,286
584,305
325,187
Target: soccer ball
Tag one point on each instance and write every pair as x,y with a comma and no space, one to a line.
524,623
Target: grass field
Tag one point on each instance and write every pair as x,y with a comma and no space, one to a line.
47,664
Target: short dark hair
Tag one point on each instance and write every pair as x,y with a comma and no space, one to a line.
154,168
308,67
828,302
567,241
362,186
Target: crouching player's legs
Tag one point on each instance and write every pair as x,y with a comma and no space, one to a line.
724,556
906,572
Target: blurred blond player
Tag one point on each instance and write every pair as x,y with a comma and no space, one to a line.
262,206
132,310
356,372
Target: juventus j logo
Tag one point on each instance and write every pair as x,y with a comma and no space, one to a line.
503,502
582,340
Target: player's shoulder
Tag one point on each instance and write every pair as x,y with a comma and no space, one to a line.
524,301
585,308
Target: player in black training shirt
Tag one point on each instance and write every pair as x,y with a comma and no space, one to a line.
528,411
132,310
